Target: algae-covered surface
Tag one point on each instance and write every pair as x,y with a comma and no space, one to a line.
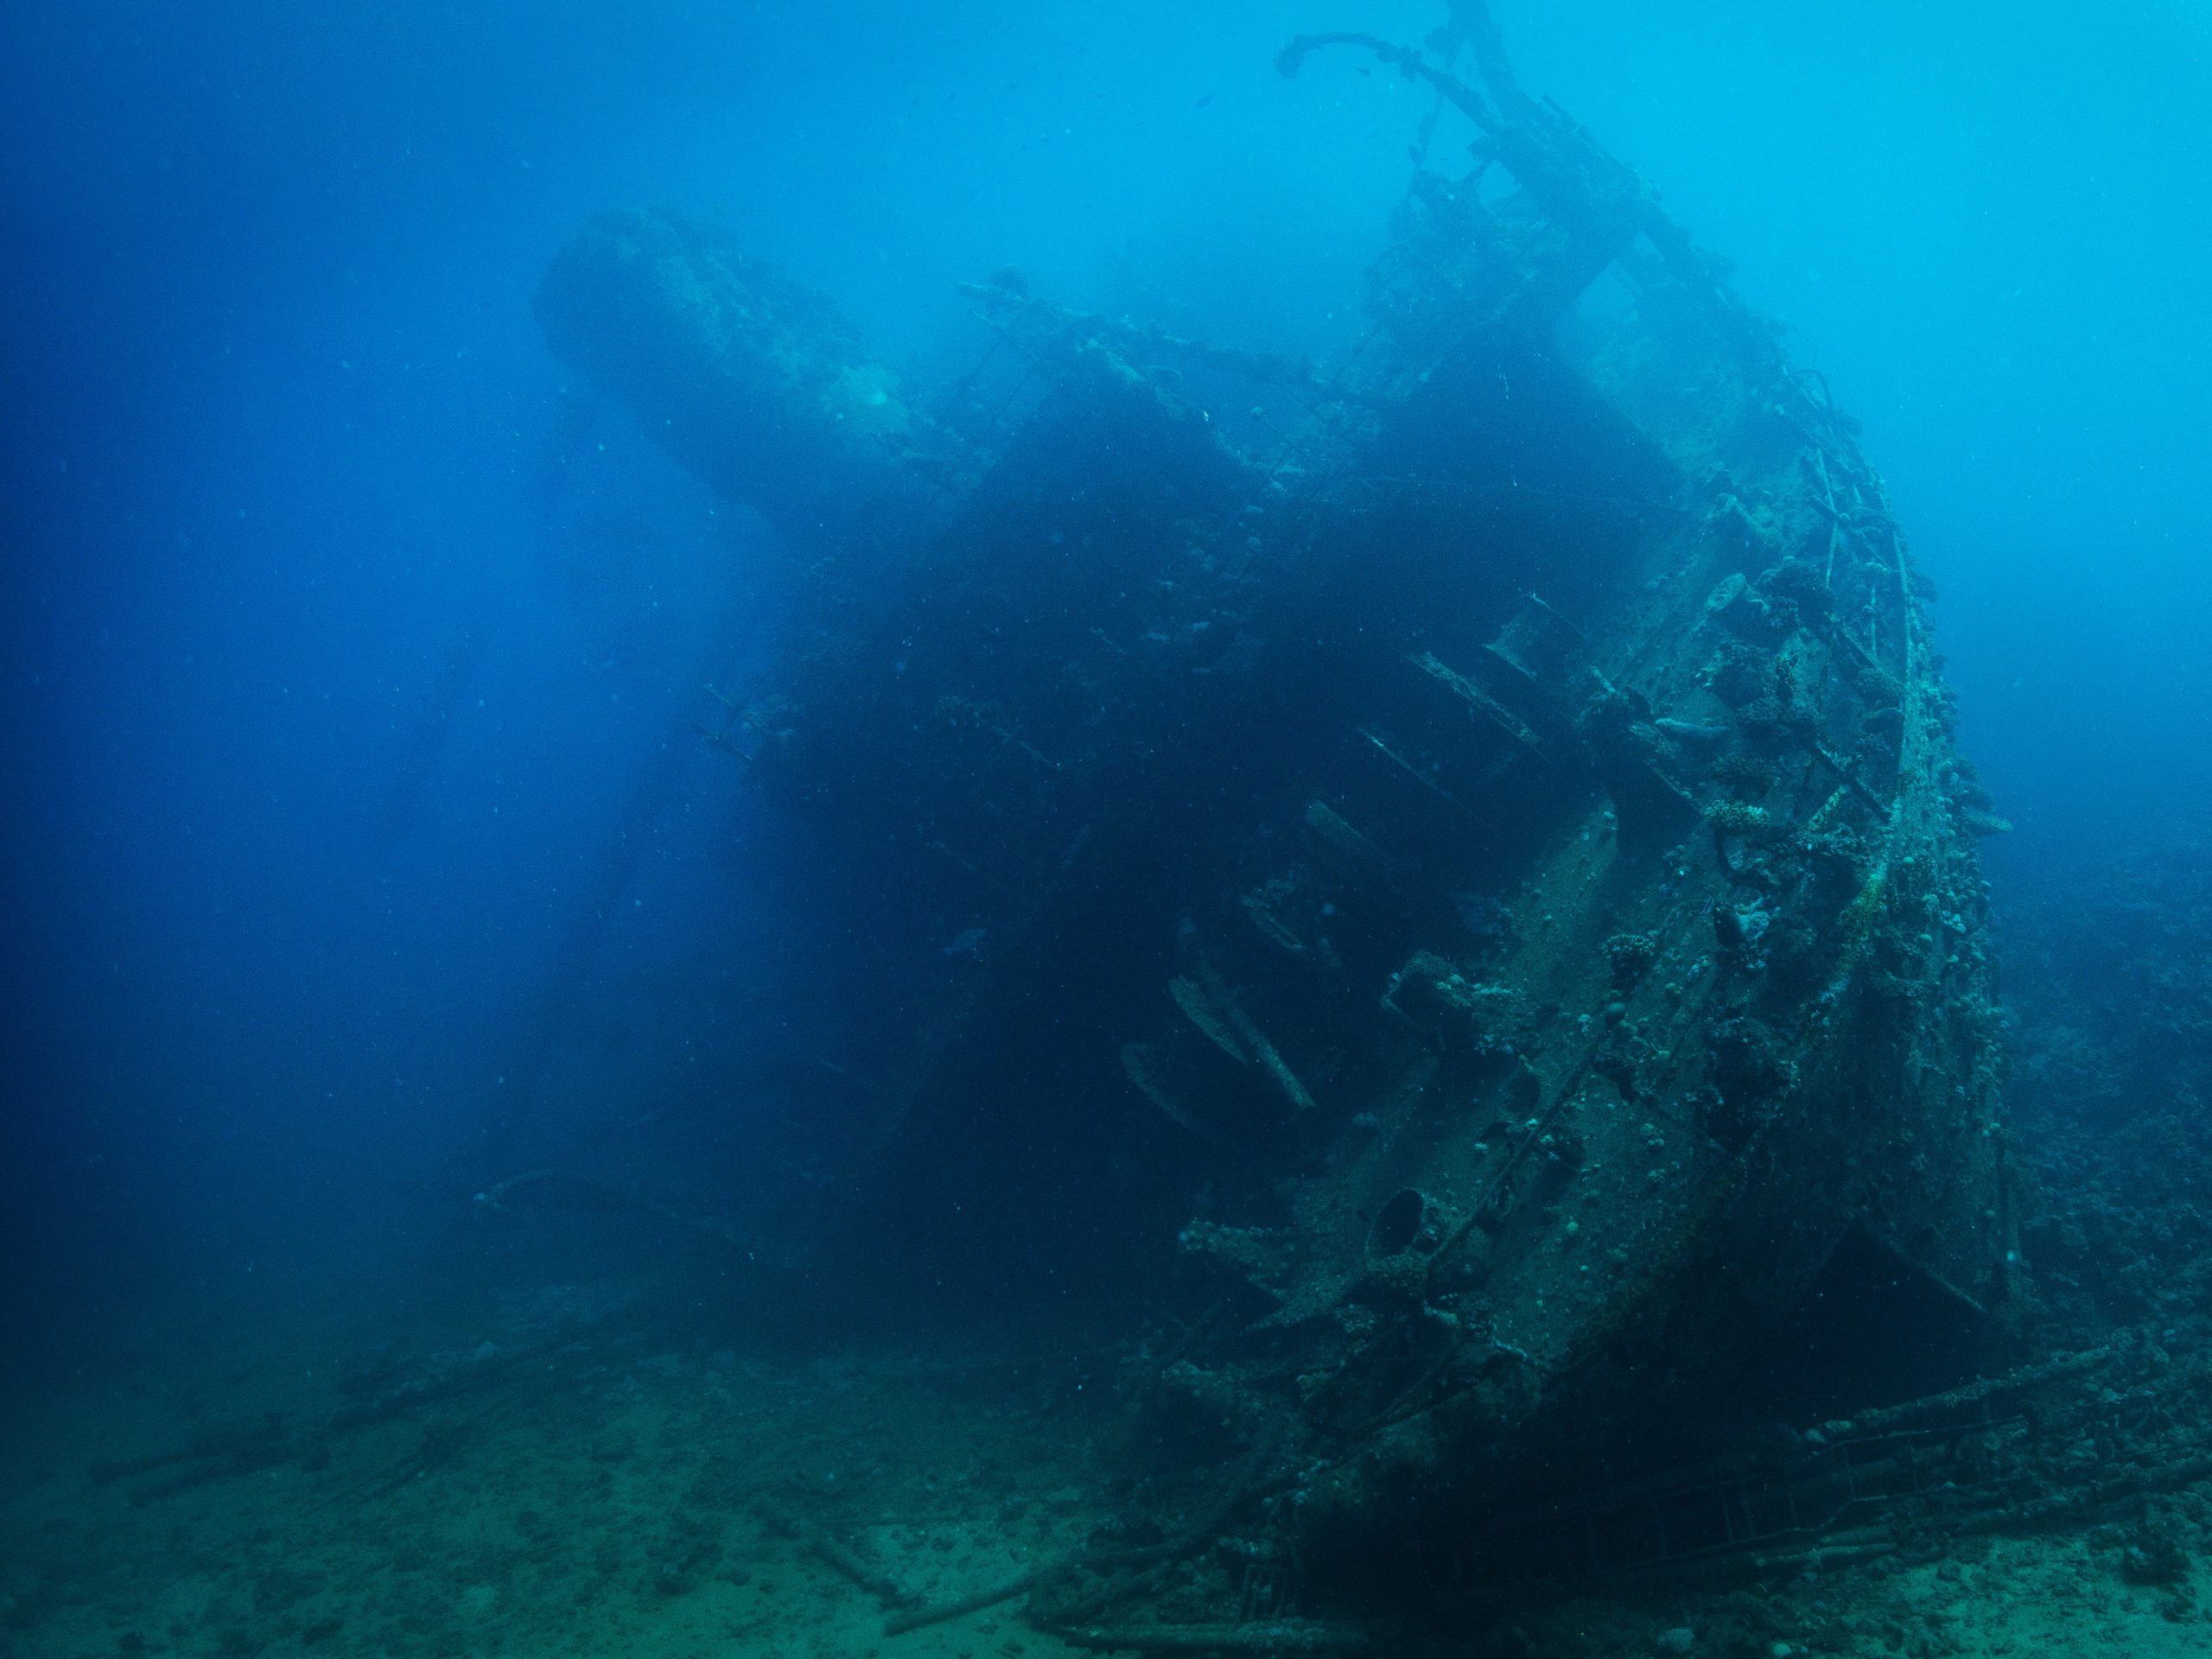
2058,1596
616,1493
570,1473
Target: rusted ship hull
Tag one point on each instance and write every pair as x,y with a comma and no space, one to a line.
1469,864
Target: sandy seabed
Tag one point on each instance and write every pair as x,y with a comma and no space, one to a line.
572,1477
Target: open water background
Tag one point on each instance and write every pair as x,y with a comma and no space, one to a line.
350,648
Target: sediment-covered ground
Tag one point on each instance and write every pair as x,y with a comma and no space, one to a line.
576,1476
575,1480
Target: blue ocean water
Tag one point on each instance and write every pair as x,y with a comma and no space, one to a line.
363,848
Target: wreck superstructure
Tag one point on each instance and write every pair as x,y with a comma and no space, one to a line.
1466,860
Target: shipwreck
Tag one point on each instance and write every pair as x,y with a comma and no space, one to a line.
1449,868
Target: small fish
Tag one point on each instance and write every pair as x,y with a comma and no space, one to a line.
969,944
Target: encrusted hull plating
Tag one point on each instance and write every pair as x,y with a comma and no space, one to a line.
1470,866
